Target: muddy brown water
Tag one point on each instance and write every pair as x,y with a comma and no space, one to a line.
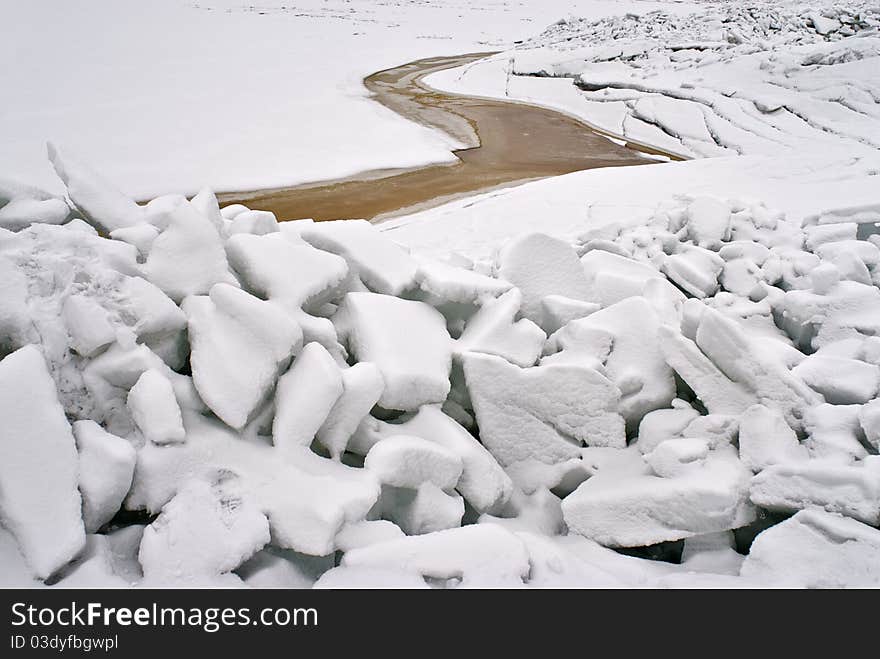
508,142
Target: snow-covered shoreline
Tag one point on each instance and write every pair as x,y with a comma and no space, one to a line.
171,96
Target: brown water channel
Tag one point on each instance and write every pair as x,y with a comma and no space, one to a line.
509,142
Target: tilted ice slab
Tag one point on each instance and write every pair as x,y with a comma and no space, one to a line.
407,340
541,414
382,265
541,265
106,467
39,500
239,345
626,505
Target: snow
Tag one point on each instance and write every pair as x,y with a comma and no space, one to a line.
407,461
307,499
626,505
478,555
449,398
483,483
187,257
304,397
37,447
848,489
154,408
98,201
207,530
425,509
239,345
541,265
293,275
382,265
815,550
494,330
362,387
766,439
298,113
408,342
106,468
541,414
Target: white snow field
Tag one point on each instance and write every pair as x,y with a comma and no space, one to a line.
664,376
172,95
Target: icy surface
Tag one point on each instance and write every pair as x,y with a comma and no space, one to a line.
500,391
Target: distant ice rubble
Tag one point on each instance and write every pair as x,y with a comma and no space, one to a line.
728,79
306,403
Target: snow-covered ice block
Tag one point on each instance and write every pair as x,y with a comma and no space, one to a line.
538,512
743,277
852,490
370,578
760,372
87,325
626,505
407,340
695,270
294,275
21,213
408,461
660,425
98,201
187,257
205,202
839,310
678,455
106,467
207,530
494,330
304,397
558,310
141,236
239,345
708,221
636,363
366,533
307,498
544,413
231,211
155,410
477,555
766,439
253,222
39,500
815,549
447,283
383,265
869,419
834,432
612,278
425,509
716,429
819,234
840,381
719,394
540,265
483,482
362,386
